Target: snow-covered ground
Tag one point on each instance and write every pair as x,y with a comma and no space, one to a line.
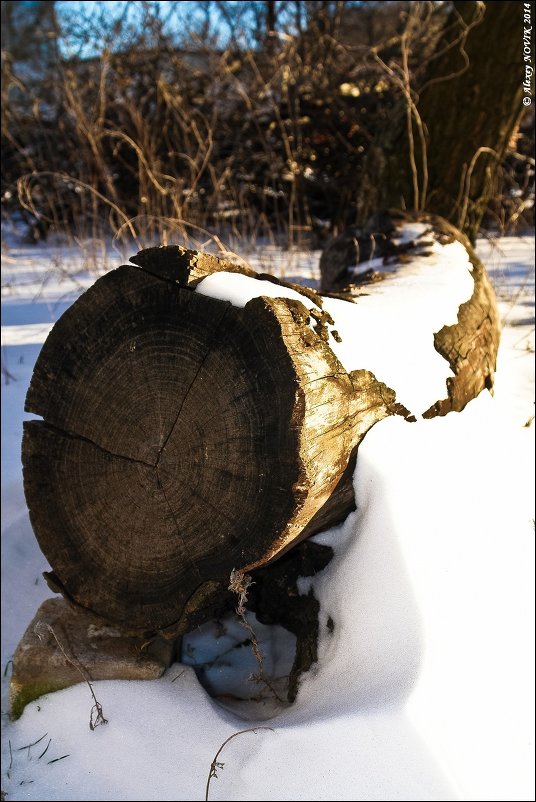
424,689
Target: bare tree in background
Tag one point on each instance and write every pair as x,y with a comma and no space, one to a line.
454,125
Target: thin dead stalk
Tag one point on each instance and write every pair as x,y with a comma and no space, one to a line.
467,178
43,753
25,195
29,746
413,117
96,716
460,40
215,765
240,583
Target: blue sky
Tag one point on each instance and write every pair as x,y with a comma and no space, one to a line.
179,18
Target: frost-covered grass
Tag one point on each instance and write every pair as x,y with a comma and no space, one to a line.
424,689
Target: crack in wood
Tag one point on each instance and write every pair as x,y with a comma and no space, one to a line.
176,283
187,554
201,364
217,510
83,439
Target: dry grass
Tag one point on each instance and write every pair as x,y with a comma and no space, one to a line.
215,765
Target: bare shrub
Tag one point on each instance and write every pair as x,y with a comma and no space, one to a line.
243,122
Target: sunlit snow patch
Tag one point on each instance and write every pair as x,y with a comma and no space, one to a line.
29,334
239,289
390,328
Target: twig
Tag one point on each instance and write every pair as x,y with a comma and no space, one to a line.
461,40
29,746
56,759
468,175
25,195
412,116
240,583
96,716
218,658
46,749
215,765
8,376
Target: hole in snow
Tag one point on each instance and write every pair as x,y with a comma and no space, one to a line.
254,666
222,655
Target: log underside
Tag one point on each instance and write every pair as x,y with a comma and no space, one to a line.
65,645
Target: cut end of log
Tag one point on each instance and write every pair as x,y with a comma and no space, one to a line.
182,437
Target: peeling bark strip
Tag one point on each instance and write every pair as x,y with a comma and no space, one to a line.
471,345
183,437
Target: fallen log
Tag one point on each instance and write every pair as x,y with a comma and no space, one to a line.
187,438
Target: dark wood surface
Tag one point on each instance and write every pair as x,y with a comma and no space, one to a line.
182,437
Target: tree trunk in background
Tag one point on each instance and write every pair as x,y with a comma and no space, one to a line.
270,30
469,118
270,16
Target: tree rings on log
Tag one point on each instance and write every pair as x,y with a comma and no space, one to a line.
182,438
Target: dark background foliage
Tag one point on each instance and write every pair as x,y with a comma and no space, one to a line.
246,119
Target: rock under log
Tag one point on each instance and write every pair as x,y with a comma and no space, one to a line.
64,645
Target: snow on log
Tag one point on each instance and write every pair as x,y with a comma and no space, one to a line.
424,316
200,419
